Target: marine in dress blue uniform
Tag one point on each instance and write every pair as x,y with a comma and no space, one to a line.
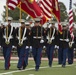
64,38
51,37
22,34
71,50
37,32
7,39
28,44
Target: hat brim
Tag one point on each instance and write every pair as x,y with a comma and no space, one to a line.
37,21
22,22
64,26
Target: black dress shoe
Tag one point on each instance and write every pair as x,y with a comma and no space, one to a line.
6,68
59,63
50,65
36,69
24,67
20,68
63,66
70,63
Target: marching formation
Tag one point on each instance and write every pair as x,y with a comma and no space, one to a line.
25,37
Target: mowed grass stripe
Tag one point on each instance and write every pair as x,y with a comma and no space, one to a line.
11,72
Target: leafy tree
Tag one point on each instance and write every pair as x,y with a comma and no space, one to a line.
15,14
63,12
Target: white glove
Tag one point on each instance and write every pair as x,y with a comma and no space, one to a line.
13,47
74,48
27,47
44,46
57,47
10,37
72,42
49,26
41,41
52,38
0,46
67,40
30,47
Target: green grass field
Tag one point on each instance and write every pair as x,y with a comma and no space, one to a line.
44,69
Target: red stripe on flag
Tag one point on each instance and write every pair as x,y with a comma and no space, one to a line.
71,19
46,7
56,12
12,4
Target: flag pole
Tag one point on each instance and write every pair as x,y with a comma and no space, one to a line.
6,21
6,11
20,12
20,22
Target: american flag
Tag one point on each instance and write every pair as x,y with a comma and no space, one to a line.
71,19
46,6
12,4
28,6
50,8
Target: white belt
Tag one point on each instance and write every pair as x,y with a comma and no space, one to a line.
67,40
22,38
37,37
62,39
